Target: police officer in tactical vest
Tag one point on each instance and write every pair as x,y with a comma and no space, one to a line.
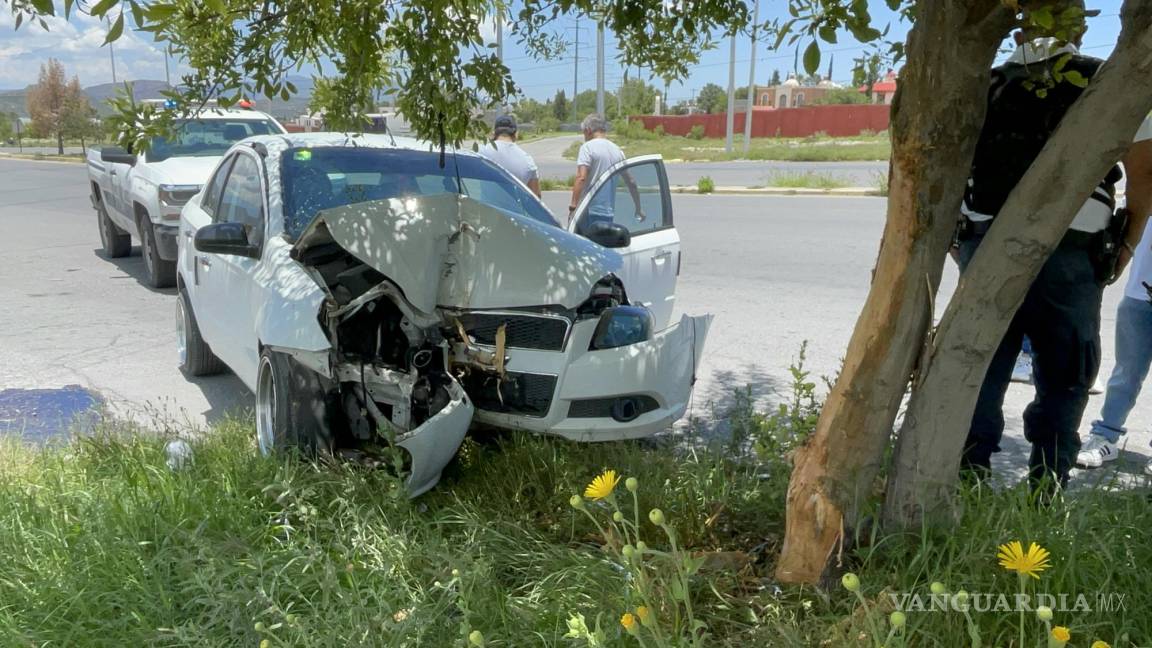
1029,95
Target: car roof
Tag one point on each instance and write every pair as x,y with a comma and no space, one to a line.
350,140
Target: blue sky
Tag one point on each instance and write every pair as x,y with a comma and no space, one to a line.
77,45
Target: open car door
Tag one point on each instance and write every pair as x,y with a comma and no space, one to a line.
634,194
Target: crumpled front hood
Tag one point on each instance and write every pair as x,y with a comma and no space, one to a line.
453,251
185,170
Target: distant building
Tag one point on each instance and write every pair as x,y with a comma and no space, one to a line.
792,93
884,90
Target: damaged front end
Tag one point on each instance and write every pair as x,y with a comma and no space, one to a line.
390,364
443,307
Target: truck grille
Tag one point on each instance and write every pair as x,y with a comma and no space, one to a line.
523,393
523,331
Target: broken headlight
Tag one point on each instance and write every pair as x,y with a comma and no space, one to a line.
620,326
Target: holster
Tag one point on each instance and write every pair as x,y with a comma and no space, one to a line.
1106,248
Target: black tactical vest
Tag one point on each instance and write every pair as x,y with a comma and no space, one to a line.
1025,105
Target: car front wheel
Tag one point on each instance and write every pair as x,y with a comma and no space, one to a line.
291,407
196,358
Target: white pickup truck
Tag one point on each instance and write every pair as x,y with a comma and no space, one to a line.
142,194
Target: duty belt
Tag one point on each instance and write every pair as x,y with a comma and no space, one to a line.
1074,238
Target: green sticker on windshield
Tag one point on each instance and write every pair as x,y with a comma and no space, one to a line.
302,156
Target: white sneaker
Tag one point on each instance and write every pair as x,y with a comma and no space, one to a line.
1022,372
1095,451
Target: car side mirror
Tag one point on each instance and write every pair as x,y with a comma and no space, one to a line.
117,155
610,235
226,238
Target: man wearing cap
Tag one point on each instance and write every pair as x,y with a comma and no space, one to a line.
1029,95
504,151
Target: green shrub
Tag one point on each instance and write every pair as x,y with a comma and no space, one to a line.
705,185
697,132
659,130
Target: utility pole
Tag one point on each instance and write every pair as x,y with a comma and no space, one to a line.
112,55
500,36
167,76
576,67
600,66
751,84
731,94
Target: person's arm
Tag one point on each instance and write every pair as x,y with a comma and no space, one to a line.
534,185
635,191
1138,166
578,188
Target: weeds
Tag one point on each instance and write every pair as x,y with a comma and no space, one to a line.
806,180
555,184
705,185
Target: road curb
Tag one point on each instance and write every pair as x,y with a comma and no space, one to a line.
37,157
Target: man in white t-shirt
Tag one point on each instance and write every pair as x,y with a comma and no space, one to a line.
596,156
1133,317
504,151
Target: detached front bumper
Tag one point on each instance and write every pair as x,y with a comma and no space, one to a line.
434,443
624,393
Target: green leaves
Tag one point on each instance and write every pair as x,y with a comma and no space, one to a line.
116,31
812,57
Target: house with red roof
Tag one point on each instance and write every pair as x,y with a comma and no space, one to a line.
883,90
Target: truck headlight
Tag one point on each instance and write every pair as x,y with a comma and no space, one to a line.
176,195
620,326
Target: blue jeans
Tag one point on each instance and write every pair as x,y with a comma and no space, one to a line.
1133,357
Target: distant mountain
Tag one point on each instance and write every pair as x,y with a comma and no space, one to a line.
98,95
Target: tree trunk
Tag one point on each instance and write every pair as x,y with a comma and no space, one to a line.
936,121
1094,134
60,142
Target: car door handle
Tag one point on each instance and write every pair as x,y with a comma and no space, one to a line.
111,173
205,262
188,234
661,257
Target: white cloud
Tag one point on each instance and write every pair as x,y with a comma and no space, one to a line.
78,44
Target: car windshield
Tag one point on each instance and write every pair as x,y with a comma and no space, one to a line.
314,179
207,137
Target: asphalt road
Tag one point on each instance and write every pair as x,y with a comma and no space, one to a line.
775,270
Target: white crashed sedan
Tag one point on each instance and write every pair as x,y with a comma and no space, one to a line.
372,290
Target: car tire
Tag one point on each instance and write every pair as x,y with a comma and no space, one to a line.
291,407
196,358
115,242
161,273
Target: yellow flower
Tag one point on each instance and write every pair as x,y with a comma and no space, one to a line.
629,622
1026,563
644,615
1100,644
1061,635
602,486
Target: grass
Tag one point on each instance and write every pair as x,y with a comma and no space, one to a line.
811,149
555,184
806,180
104,545
705,185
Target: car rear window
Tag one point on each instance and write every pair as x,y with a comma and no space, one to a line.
320,178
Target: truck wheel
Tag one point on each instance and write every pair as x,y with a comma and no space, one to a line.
161,273
116,242
291,407
196,359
